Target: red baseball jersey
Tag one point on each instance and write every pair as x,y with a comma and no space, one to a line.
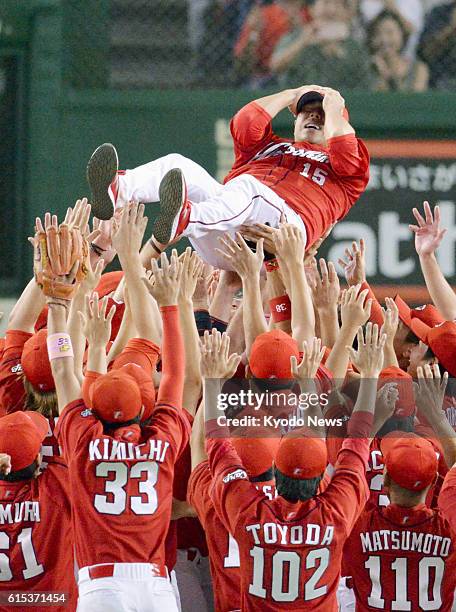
121,492
12,392
223,549
402,559
320,183
290,552
36,538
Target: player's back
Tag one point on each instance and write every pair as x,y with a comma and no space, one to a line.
291,554
121,491
403,559
36,538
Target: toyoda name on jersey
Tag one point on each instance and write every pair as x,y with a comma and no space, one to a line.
116,450
285,148
19,512
426,543
274,533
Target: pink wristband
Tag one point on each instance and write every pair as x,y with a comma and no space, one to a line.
59,345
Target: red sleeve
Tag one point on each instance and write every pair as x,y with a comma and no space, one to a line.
232,493
447,498
173,359
171,423
251,130
349,156
143,353
199,485
12,393
76,421
376,310
348,492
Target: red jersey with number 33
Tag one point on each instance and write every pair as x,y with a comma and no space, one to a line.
320,183
402,559
36,543
121,491
290,552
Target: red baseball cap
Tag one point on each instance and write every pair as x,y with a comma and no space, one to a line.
411,461
404,310
35,362
405,405
256,454
301,455
21,436
428,314
441,340
115,396
270,355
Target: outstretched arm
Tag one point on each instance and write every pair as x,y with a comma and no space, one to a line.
428,237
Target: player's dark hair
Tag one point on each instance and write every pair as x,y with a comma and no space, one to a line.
396,424
293,489
374,24
411,338
36,401
26,473
264,477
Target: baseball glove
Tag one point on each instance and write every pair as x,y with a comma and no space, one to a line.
60,261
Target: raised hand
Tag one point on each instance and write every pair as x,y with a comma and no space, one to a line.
216,360
289,244
260,231
128,232
192,267
164,281
312,354
236,252
355,309
354,265
96,324
390,319
428,234
430,391
325,288
368,359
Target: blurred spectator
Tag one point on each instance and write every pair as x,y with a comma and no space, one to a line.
265,25
387,40
222,21
323,50
409,12
437,46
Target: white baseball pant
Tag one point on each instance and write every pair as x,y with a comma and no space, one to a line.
132,588
345,597
217,209
194,581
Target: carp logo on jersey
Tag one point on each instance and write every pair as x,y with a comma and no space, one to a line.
285,148
236,475
86,412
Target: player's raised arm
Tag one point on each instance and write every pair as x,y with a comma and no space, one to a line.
192,267
428,237
63,253
96,325
164,287
248,265
325,290
290,245
355,311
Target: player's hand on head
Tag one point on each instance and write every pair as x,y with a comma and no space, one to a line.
355,308
192,268
368,358
5,464
216,360
241,257
164,280
354,265
312,354
390,319
430,391
325,287
428,234
128,231
289,244
95,321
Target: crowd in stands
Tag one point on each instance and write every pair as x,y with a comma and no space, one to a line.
382,45
113,371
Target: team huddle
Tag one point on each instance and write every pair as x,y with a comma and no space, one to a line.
226,429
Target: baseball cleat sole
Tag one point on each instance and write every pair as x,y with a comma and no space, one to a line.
173,195
101,172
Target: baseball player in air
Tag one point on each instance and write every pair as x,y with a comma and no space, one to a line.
313,180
